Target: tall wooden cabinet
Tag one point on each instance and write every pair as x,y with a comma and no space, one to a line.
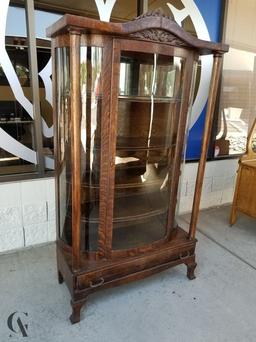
122,97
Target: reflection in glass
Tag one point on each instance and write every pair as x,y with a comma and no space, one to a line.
91,101
148,108
138,75
254,143
237,102
14,119
43,57
64,142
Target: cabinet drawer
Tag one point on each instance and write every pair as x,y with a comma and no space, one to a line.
98,278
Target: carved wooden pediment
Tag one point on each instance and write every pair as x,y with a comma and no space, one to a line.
158,35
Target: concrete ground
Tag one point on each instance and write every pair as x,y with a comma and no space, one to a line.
218,306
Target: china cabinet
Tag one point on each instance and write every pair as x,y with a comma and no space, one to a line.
123,93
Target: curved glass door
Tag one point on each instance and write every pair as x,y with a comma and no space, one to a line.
62,56
147,120
91,105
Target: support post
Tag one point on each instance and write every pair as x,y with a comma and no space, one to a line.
217,63
75,145
34,83
142,7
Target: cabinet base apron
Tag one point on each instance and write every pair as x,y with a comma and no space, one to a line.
105,273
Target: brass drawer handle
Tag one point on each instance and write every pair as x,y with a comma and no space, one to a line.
99,283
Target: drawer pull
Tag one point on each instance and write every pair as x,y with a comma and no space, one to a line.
98,283
184,256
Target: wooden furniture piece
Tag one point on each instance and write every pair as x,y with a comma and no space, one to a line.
244,197
122,97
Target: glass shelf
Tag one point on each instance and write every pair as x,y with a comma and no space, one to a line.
130,185
137,147
129,208
139,233
9,122
147,99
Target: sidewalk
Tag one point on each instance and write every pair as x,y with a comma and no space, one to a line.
218,306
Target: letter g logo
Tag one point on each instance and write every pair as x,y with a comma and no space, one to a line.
16,325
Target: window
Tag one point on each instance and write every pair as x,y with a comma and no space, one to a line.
238,100
17,131
18,135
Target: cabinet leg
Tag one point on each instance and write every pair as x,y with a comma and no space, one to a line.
60,277
76,310
233,216
191,270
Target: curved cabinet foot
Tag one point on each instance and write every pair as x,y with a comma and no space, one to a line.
191,270
76,310
60,278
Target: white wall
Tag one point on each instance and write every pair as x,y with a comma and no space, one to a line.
218,186
241,25
27,208
27,213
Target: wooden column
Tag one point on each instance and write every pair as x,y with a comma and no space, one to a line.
217,63
75,145
142,7
182,124
107,158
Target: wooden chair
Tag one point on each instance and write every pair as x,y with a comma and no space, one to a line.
245,191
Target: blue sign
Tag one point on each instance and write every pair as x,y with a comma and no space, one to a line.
211,11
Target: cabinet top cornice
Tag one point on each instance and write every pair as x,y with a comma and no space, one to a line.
152,26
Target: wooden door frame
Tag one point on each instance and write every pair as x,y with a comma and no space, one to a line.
163,49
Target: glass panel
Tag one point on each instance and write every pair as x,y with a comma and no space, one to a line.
237,101
43,58
16,123
237,104
64,143
91,99
44,19
16,22
171,8
254,143
124,10
137,75
148,108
